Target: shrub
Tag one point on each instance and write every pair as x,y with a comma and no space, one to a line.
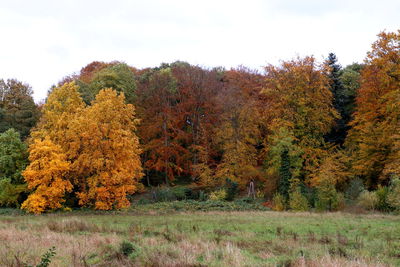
260,194
279,202
368,200
45,259
354,189
393,197
382,199
127,248
218,195
164,194
231,189
181,193
10,193
297,201
202,196
328,199
173,193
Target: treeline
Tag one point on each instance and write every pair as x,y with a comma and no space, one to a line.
302,131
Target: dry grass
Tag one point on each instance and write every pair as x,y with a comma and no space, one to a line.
203,239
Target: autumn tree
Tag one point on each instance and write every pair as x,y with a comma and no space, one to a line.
46,176
62,106
161,130
374,135
239,135
198,113
302,113
108,162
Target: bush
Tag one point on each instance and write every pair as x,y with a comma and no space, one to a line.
202,196
297,201
45,259
10,194
367,200
164,194
260,194
181,193
393,197
355,188
328,199
231,189
218,195
382,199
127,248
279,202
173,193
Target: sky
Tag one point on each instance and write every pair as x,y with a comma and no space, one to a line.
42,41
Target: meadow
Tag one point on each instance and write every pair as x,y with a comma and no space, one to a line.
214,238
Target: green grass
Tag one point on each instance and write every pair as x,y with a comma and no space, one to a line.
162,237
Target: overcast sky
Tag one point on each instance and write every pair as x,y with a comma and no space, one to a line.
44,40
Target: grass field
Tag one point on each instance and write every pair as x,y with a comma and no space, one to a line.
245,238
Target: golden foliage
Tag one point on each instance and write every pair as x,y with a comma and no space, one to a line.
46,175
374,134
302,113
96,151
108,161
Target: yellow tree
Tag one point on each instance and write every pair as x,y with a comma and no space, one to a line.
375,128
108,162
238,135
302,113
63,105
46,176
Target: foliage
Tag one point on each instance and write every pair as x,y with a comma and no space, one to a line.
382,194
117,76
374,133
97,145
297,201
285,175
127,248
46,176
339,131
13,156
368,200
328,199
333,169
393,198
10,194
279,202
102,131
231,189
301,108
218,195
17,108
238,134
354,189
193,205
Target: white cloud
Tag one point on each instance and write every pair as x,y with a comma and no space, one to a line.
44,40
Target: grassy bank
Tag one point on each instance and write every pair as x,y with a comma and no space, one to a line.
238,238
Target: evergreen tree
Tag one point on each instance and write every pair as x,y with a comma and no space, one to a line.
285,174
339,131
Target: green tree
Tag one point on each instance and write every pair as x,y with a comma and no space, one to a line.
118,76
338,132
13,160
17,108
285,174
13,156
